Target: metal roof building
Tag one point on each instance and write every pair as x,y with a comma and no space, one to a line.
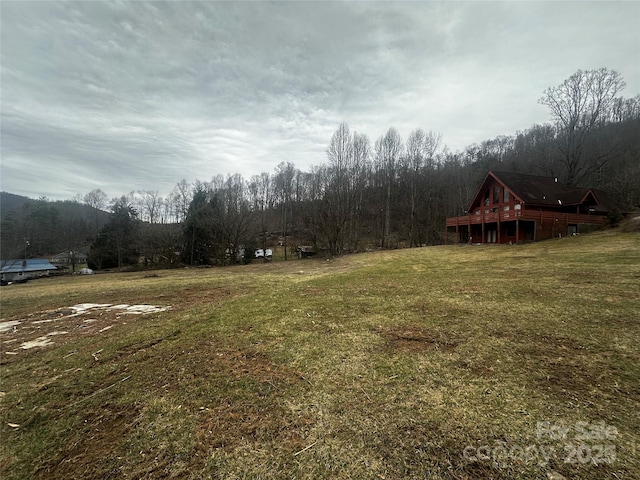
19,269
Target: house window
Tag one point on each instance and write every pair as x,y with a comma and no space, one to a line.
496,194
477,212
505,197
506,208
486,197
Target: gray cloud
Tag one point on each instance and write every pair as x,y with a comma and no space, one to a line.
137,95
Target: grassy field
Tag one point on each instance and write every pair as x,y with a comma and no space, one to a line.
450,362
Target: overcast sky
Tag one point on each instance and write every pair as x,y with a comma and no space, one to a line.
128,95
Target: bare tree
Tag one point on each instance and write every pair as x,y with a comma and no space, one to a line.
580,104
181,197
421,150
389,149
338,196
232,214
97,200
625,109
261,190
360,169
285,173
149,204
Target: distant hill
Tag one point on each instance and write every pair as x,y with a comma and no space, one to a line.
47,227
9,201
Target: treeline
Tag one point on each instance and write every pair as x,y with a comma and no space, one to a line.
387,193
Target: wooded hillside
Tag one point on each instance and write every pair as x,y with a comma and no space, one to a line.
387,193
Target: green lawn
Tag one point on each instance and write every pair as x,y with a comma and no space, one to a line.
438,363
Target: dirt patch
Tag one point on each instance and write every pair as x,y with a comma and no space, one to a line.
566,377
416,338
479,367
539,344
90,452
545,345
565,368
312,292
214,357
435,451
228,426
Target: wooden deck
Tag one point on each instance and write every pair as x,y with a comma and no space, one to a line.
528,215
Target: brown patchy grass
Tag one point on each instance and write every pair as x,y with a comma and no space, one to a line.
245,413
380,365
416,338
84,453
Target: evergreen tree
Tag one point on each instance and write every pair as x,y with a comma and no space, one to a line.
115,245
198,228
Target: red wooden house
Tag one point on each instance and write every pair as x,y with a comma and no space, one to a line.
511,208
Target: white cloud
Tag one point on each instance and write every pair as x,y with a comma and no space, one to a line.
138,95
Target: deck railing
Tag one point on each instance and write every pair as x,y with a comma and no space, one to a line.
525,214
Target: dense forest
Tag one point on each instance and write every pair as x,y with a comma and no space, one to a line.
387,193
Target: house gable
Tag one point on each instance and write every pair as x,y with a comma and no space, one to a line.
599,201
493,194
68,258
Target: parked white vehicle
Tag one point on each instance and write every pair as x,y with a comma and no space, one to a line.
260,253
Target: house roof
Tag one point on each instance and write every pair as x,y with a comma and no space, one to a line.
537,190
68,254
605,202
30,265
541,191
